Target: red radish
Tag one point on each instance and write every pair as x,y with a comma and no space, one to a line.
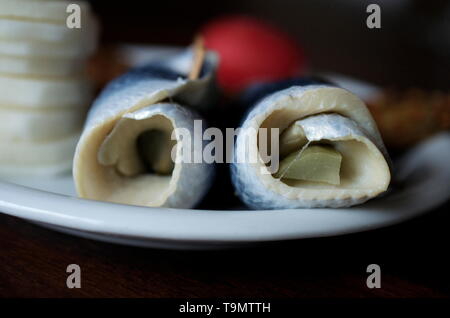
251,51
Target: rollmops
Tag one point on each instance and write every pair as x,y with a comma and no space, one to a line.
330,151
124,154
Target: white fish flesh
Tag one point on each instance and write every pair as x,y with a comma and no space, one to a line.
49,157
42,92
21,124
41,66
34,31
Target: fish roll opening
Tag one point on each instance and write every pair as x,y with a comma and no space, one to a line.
136,155
332,161
137,147
155,151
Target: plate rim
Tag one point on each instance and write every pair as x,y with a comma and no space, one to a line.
44,212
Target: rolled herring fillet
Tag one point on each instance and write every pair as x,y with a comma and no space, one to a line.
35,67
42,92
123,155
344,136
37,158
21,124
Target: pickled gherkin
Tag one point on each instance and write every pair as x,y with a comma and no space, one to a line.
316,163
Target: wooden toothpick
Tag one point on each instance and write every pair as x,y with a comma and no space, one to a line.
199,58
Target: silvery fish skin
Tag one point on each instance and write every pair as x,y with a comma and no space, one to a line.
330,127
159,89
324,112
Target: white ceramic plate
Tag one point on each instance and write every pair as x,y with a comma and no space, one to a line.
422,182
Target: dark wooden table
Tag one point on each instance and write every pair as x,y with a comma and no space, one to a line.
413,257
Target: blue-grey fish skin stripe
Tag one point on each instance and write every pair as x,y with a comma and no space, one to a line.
164,75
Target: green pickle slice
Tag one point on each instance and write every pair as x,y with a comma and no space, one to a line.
317,163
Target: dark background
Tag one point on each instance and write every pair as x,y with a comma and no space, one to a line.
411,50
